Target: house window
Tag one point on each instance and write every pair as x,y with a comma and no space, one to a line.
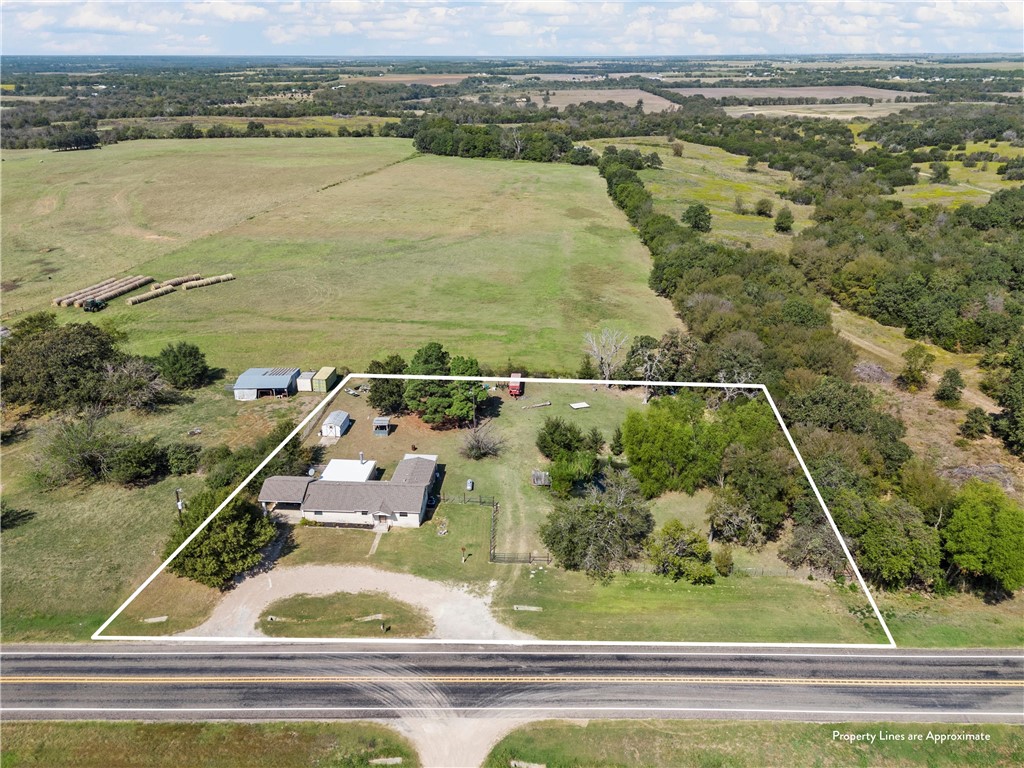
318,513
403,514
364,513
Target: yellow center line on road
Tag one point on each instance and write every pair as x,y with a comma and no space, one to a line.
496,679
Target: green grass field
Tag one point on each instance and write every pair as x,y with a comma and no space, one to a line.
731,744
85,548
358,246
343,614
637,606
210,745
715,177
357,249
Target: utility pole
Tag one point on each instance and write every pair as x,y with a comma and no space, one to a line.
178,502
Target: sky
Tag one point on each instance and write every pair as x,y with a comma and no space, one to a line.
514,28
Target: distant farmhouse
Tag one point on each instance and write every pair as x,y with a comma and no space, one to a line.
345,494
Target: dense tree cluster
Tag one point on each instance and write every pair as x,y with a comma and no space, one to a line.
441,403
955,278
947,125
601,532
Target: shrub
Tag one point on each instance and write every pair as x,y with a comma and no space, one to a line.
558,437
977,424
136,462
723,561
183,365
182,458
784,220
764,207
950,387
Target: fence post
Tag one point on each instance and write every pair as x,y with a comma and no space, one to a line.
494,531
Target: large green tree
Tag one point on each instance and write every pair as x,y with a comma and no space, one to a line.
387,395
601,533
985,535
54,367
442,402
227,547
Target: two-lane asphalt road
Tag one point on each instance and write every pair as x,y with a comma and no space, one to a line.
274,681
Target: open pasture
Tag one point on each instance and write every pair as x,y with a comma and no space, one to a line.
348,252
833,111
716,178
627,96
798,92
72,218
329,123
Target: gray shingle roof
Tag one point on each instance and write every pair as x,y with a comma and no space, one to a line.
417,471
328,496
284,490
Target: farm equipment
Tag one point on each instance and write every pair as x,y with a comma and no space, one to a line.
94,305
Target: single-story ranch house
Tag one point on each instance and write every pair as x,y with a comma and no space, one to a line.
345,494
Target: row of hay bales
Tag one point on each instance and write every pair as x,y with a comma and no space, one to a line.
154,293
176,281
187,283
208,281
113,287
103,291
113,290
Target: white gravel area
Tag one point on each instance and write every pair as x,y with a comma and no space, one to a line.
457,614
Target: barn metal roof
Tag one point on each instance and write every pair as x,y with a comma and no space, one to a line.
267,378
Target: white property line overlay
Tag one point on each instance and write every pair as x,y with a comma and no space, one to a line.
98,634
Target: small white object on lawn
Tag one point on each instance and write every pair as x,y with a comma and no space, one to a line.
577,406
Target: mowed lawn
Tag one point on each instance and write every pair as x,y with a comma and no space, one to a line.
714,177
211,745
732,744
342,251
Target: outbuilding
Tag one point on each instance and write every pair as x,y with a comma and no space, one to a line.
381,426
263,382
336,424
305,381
325,379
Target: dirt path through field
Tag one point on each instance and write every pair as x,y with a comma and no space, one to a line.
970,395
456,614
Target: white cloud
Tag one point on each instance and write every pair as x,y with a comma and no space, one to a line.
228,10
512,29
35,19
695,12
99,18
